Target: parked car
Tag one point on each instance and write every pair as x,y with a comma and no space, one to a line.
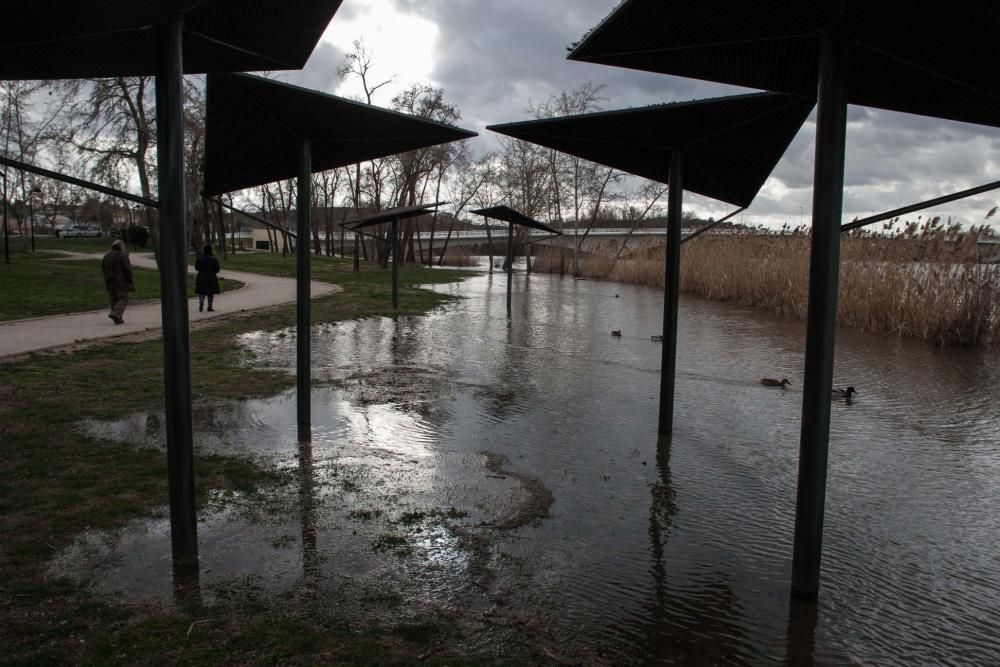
80,230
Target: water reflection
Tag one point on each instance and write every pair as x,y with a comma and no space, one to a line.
513,471
307,511
802,618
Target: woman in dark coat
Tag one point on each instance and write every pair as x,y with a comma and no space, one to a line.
207,282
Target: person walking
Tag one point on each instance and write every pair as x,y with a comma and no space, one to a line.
207,281
118,281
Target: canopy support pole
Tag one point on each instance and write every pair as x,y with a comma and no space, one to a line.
303,367
824,269
88,185
173,290
6,239
671,292
711,225
937,201
395,263
510,262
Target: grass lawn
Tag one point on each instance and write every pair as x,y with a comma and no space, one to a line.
340,271
82,244
41,284
56,482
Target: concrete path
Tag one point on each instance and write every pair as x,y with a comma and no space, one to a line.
43,333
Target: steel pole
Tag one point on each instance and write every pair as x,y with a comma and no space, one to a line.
303,369
671,292
824,268
510,262
6,241
357,254
937,201
173,291
395,263
31,220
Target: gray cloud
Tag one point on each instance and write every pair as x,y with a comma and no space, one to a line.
320,72
495,60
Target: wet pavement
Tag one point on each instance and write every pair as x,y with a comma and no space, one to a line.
45,333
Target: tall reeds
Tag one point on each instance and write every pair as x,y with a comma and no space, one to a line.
459,256
924,281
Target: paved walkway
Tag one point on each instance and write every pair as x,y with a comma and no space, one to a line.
43,333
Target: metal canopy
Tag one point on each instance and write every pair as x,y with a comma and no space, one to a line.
730,144
254,125
507,214
937,66
389,215
71,39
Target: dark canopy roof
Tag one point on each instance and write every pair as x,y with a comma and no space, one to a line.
254,126
930,57
389,215
64,39
508,214
730,144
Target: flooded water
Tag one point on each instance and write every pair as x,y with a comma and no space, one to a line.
510,470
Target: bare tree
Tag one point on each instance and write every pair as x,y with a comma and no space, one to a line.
359,63
575,182
111,123
27,129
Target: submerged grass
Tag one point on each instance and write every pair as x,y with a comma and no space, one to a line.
923,282
56,482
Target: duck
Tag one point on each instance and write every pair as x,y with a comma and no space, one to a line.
617,333
771,382
656,339
843,393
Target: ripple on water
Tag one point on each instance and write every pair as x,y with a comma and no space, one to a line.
647,551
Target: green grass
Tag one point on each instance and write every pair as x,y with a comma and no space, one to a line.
341,271
56,482
83,244
40,284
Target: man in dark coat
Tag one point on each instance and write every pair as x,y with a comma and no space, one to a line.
207,281
117,279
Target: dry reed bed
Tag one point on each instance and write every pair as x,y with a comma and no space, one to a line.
924,282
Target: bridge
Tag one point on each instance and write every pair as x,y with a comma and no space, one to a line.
989,248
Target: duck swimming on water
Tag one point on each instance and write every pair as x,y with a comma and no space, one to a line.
771,382
617,333
843,393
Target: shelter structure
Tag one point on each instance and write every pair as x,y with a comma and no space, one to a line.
843,52
393,216
297,132
724,148
56,39
513,217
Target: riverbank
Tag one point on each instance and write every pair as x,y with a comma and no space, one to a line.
925,283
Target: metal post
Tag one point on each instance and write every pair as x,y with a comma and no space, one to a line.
6,241
31,218
173,291
303,367
671,292
510,261
395,263
357,255
527,250
824,267
937,201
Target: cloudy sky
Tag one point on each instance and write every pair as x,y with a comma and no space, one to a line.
497,59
